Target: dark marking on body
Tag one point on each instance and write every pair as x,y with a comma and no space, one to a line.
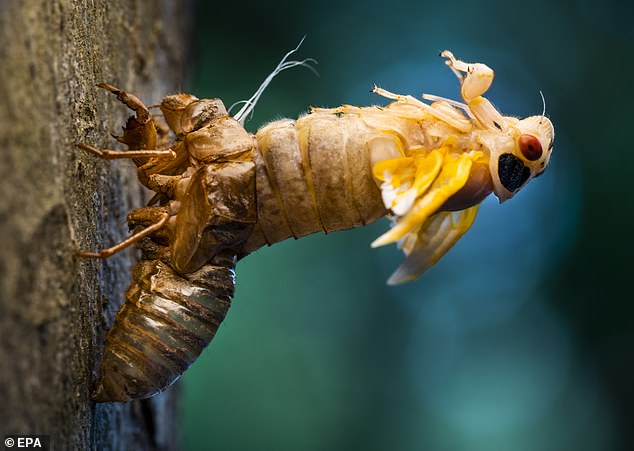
512,172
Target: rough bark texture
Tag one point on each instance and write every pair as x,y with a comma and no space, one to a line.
55,308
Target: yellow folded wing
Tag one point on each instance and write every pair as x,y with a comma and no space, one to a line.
414,188
453,176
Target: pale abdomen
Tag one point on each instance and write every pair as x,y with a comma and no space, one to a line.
313,175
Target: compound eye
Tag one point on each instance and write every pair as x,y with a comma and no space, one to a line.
531,147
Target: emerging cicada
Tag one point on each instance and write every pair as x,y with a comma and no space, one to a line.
222,193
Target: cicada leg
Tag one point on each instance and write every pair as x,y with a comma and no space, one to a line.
164,184
398,97
146,216
443,113
131,101
343,109
478,76
474,84
105,253
110,154
140,131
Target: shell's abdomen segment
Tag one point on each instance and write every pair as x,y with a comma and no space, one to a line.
165,323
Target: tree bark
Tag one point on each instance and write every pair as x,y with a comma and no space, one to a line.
55,308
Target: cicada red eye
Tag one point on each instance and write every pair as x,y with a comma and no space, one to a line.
531,147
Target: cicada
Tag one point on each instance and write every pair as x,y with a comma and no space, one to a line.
221,193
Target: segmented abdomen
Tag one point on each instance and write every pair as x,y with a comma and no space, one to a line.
165,323
313,175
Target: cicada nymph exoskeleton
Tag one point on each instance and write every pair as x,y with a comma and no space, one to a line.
222,193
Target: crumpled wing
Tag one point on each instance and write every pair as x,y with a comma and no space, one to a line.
452,177
434,238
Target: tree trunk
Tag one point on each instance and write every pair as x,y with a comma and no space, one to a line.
55,308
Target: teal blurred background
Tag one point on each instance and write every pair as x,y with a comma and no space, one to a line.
521,337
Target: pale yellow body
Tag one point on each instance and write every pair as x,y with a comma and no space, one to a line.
316,174
428,166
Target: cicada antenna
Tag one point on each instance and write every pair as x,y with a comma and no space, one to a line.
249,105
544,103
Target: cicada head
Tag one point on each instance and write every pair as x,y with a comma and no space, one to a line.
185,113
520,154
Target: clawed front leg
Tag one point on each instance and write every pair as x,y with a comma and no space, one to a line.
478,76
140,130
476,82
131,101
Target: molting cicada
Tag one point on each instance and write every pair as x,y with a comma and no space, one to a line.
222,193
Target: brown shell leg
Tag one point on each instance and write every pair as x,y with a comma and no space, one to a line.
110,154
140,130
105,253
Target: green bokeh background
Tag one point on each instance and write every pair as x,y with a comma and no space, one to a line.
521,337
